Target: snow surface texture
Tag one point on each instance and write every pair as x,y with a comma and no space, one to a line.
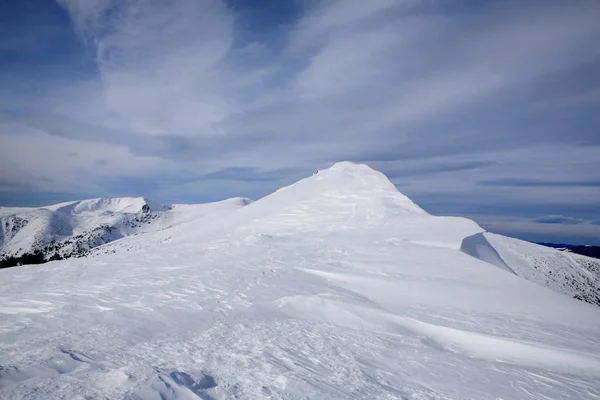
335,287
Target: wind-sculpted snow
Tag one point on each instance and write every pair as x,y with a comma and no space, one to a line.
571,274
478,246
323,290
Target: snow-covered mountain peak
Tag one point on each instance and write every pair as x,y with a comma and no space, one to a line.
344,188
73,228
361,176
345,197
108,206
351,166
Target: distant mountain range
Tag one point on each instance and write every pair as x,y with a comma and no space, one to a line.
590,251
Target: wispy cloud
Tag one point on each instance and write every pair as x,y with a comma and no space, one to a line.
585,232
157,59
558,219
538,182
458,101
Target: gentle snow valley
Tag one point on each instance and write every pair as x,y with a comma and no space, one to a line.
336,287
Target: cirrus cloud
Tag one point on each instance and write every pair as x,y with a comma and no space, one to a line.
486,108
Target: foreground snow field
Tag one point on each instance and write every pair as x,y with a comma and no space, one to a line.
335,287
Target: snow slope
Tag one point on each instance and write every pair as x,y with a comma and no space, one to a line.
335,287
73,228
571,274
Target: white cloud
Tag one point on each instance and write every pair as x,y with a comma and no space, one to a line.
158,59
165,68
48,163
181,91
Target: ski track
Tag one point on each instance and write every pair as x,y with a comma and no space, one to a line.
278,309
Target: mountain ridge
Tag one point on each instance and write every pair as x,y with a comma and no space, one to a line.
71,229
346,196
334,287
583,249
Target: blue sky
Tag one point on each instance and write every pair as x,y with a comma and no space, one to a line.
487,109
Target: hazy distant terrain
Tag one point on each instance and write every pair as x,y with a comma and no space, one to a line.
590,251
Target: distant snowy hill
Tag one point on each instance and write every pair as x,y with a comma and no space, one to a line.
584,250
335,287
71,229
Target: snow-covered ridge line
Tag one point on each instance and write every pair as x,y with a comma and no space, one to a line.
344,192
571,274
336,287
71,229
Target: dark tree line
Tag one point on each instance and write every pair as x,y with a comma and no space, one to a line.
36,257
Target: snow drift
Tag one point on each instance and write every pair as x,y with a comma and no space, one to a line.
571,274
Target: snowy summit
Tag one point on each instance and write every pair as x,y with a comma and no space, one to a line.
335,287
